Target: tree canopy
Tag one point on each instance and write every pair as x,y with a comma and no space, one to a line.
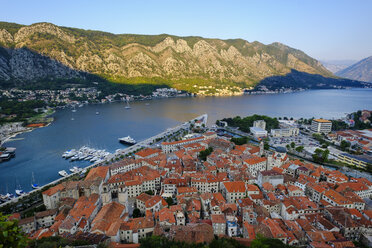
245,123
11,234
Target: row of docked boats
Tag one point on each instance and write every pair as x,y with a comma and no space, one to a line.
86,153
18,191
75,169
10,196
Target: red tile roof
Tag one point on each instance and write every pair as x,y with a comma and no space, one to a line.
53,190
147,152
235,186
100,171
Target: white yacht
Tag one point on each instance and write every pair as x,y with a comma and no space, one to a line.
127,140
19,192
75,169
63,173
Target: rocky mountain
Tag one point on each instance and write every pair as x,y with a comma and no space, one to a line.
196,64
337,65
361,70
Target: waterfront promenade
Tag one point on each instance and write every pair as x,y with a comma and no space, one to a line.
117,155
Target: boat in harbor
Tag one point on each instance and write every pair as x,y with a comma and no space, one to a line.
127,140
69,154
63,173
85,153
19,192
9,196
33,184
75,169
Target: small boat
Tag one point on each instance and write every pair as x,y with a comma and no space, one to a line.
33,184
19,192
9,196
3,198
73,109
97,113
127,140
63,173
147,104
81,105
72,119
75,169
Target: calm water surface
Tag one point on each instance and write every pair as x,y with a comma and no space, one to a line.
40,151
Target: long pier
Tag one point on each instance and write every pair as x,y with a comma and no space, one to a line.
118,154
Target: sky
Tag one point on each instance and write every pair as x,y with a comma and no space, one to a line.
324,29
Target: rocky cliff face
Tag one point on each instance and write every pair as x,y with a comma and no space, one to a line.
184,62
24,65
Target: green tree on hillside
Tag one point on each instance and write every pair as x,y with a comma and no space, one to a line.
11,234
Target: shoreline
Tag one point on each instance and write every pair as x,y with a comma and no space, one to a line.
27,129
192,95
117,154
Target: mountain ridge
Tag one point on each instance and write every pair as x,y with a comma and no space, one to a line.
192,63
361,70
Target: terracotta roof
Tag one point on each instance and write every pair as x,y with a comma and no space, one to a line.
51,191
336,197
14,216
245,202
143,197
276,230
26,220
319,245
137,223
154,200
84,207
255,160
100,171
250,231
147,152
118,245
192,233
268,186
107,216
355,186
46,213
293,188
219,197
322,120
234,186
167,215
183,190
252,187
